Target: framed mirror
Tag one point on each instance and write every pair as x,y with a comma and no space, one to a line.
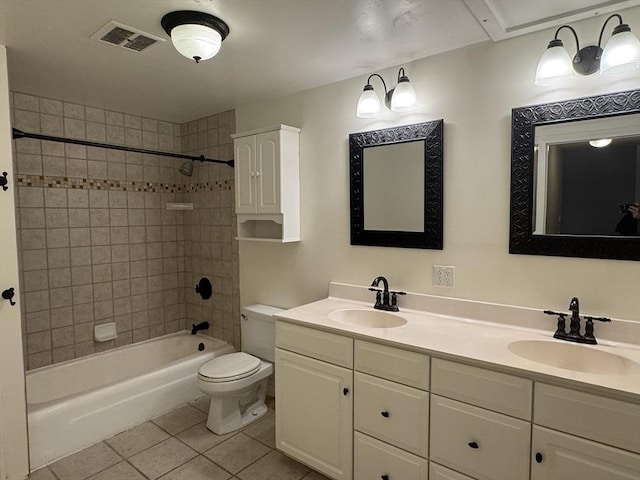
396,186
575,170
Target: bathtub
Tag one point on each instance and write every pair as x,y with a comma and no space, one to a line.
77,403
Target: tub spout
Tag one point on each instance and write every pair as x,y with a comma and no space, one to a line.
200,326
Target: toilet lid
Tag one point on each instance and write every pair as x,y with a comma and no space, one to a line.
229,367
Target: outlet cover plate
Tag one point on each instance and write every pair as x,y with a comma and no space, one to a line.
444,276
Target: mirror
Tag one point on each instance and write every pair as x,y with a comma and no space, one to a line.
396,186
569,191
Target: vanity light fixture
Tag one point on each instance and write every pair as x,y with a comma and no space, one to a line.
195,35
621,54
402,98
600,143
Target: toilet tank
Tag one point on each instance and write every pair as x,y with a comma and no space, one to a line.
258,327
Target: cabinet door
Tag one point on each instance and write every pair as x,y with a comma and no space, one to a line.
268,172
245,151
562,456
374,459
314,421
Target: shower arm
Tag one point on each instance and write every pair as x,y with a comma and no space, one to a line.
17,134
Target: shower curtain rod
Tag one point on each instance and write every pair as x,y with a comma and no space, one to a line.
20,134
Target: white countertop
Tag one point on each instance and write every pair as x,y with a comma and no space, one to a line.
473,341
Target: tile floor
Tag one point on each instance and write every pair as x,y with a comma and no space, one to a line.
178,446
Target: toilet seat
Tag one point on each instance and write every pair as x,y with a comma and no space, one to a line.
230,367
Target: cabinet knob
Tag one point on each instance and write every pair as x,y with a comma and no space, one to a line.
345,391
474,444
385,414
539,457
252,174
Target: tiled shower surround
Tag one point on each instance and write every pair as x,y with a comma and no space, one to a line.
96,243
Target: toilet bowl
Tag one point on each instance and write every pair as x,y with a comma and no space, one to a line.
237,382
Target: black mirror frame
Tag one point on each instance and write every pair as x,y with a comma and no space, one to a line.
523,123
431,133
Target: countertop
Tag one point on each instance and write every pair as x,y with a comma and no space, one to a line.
472,341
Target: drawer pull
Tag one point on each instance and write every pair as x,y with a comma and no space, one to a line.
385,414
345,391
384,477
539,457
473,444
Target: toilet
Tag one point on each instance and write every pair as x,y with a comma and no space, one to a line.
237,382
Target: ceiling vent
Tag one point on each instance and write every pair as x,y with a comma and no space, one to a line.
129,38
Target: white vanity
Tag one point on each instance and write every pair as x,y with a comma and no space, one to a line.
442,396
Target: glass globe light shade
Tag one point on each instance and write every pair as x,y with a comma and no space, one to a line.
368,103
554,67
196,41
621,53
404,97
600,143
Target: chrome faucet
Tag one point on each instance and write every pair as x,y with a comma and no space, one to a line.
574,326
385,299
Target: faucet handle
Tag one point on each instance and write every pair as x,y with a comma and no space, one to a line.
599,319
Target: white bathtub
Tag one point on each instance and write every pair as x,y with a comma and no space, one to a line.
77,403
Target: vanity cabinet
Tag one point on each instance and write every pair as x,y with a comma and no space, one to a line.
578,435
391,413
480,421
267,184
314,385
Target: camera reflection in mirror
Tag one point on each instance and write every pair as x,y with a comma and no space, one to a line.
580,188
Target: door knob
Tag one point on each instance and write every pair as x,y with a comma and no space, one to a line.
8,294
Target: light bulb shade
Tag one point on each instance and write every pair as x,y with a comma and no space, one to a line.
368,103
621,53
404,97
195,35
196,41
601,142
555,66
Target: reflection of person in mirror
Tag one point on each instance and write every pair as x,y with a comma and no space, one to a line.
628,224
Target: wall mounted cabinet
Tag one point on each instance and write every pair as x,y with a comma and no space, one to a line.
267,184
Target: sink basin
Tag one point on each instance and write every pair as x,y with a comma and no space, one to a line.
571,356
367,318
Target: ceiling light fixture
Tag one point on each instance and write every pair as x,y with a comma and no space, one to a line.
621,54
195,35
601,142
402,98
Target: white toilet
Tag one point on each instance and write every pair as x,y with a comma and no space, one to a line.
237,382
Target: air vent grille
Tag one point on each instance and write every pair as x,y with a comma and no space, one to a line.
124,36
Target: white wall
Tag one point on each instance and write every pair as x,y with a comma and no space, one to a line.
473,90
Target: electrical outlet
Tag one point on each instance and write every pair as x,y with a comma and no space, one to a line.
444,276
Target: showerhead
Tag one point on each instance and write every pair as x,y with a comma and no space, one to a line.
186,168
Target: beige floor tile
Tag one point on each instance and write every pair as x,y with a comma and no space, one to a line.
120,471
197,469
85,463
42,474
201,439
137,439
202,404
264,430
162,458
315,476
237,452
274,466
180,419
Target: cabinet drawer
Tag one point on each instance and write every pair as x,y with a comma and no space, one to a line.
438,472
495,391
391,412
373,459
602,419
408,368
325,346
558,455
480,443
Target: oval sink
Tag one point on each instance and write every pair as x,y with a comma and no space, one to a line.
367,318
571,356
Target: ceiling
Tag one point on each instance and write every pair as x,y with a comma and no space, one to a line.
275,47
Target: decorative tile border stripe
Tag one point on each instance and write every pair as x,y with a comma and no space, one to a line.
118,185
